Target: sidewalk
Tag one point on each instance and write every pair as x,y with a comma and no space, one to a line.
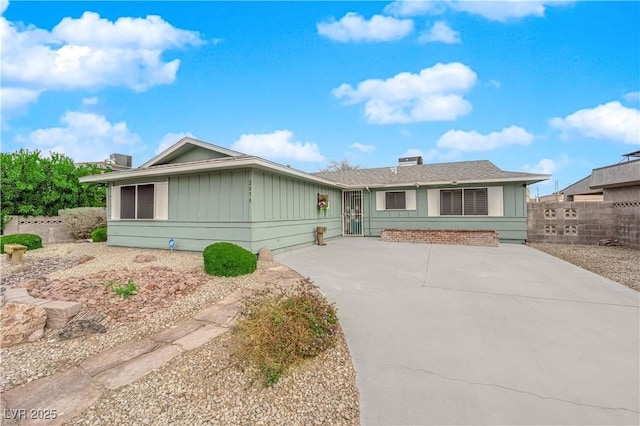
58,398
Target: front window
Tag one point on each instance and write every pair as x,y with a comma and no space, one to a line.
136,202
395,200
467,202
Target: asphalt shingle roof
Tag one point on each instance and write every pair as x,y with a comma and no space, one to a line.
481,170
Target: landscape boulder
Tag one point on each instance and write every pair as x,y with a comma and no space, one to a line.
20,323
265,254
143,258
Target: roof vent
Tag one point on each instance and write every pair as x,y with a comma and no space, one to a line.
410,161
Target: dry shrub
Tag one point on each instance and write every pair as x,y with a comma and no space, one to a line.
81,221
279,330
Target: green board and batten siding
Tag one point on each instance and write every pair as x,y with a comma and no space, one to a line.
251,208
511,226
285,214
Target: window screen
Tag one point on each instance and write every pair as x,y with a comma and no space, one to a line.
475,202
395,200
451,202
128,202
145,201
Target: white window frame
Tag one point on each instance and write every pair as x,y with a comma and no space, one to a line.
409,200
160,201
495,201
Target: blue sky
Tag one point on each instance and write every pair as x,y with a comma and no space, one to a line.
545,87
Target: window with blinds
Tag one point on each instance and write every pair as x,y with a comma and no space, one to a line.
395,200
467,202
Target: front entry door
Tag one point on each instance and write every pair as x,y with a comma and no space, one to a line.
352,213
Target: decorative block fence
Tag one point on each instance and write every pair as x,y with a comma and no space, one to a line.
49,228
584,222
441,236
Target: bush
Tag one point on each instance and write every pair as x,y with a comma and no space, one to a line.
228,260
31,241
99,235
80,221
278,331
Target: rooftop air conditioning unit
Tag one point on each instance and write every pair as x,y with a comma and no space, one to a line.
410,161
121,159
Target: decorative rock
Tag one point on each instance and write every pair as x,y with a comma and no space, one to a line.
59,312
21,323
143,258
85,259
81,328
265,254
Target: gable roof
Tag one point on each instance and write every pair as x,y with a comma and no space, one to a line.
185,144
580,187
481,171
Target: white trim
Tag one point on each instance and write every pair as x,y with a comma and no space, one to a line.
433,202
160,201
495,200
409,200
380,201
115,202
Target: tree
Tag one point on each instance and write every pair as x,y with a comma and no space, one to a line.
32,185
339,166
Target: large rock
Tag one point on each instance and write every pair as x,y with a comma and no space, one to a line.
144,258
265,254
21,323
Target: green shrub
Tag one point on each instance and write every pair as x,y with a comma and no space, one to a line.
99,235
126,290
280,330
31,241
228,260
81,221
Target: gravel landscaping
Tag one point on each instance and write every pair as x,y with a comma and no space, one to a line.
617,263
205,385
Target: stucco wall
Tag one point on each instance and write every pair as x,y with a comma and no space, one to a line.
49,228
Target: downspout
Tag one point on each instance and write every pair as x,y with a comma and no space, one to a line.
369,215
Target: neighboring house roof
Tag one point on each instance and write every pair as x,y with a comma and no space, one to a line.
428,174
581,187
482,171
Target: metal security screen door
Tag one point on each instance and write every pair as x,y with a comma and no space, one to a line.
352,213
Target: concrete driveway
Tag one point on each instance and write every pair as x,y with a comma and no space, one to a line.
474,335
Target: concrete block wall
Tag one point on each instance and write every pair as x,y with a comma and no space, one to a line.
583,222
444,236
49,228
626,223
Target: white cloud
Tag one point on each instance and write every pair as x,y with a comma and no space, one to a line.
611,121
353,27
632,97
473,141
502,11
362,148
414,8
83,137
169,139
3,6
440,32
90,101
91,52
13,98
494,83
545,166
280,144
434,94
